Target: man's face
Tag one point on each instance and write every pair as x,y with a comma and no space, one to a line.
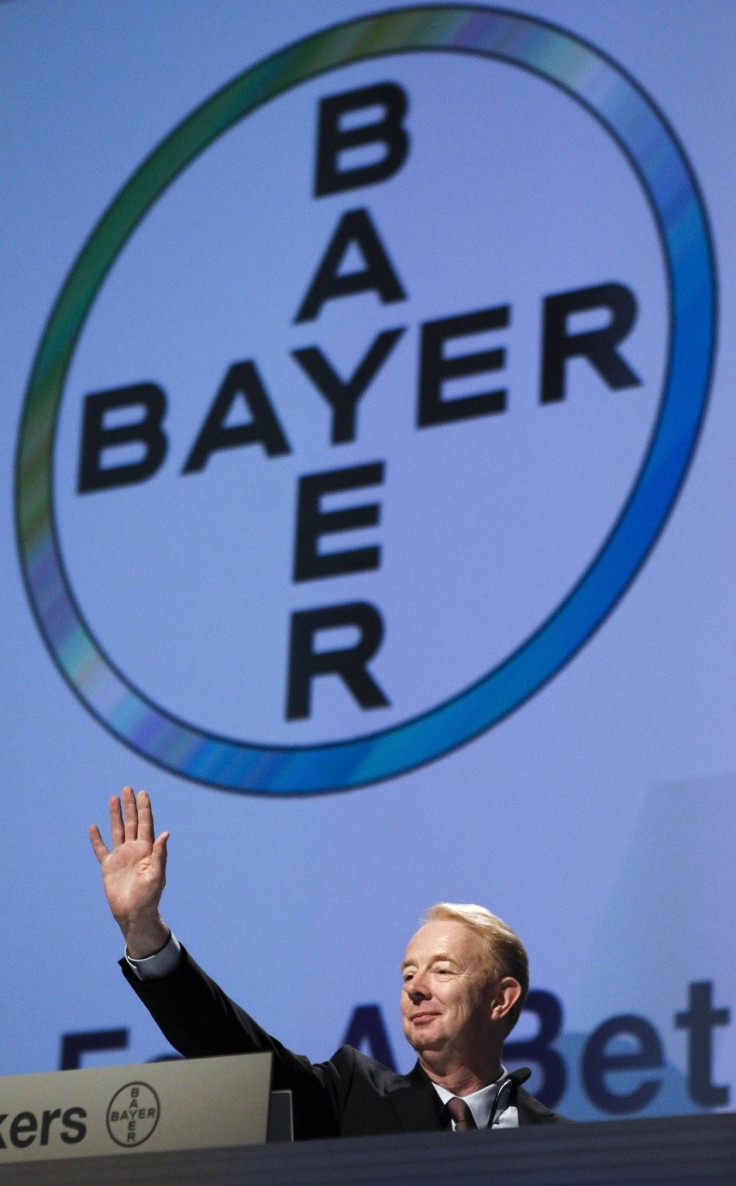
445,1000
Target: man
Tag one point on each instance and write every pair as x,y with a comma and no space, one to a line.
465,976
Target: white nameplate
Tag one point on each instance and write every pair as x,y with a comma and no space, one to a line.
183,1104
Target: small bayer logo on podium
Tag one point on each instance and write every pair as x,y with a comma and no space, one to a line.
133,1114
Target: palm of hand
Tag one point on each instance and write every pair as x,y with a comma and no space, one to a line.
133,877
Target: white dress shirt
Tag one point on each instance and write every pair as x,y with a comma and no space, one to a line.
481,1103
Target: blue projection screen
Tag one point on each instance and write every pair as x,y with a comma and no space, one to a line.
368,500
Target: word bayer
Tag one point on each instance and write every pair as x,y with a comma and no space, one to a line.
131,420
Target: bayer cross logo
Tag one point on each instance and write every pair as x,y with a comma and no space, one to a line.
380,475
133,1114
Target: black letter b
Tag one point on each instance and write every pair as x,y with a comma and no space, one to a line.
333,138
142,431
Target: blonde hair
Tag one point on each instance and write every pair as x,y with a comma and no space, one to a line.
504,953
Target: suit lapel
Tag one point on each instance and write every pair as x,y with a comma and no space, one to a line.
531,1110
416,1103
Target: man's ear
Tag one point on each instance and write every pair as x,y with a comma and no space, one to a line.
506,993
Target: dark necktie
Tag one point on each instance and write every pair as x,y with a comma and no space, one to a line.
461,1114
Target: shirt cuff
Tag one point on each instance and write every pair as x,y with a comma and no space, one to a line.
162,963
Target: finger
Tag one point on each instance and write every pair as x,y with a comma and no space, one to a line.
130,814
117,830
98,844
145,818
160,847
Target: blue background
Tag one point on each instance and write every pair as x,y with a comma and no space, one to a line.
599,818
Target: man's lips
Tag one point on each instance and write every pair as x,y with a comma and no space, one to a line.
422,1017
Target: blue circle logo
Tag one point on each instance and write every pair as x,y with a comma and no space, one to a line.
642,134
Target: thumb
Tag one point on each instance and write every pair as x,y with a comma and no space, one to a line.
160,846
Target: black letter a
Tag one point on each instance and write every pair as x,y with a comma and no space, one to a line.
379,274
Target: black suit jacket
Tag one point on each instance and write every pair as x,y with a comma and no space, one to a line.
350,1095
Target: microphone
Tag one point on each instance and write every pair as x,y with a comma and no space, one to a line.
511,1082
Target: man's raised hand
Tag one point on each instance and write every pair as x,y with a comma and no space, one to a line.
134,872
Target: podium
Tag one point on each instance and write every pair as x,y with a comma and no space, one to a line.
157,1107
670,1151
674,1151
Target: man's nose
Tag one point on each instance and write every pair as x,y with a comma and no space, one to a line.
419,988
